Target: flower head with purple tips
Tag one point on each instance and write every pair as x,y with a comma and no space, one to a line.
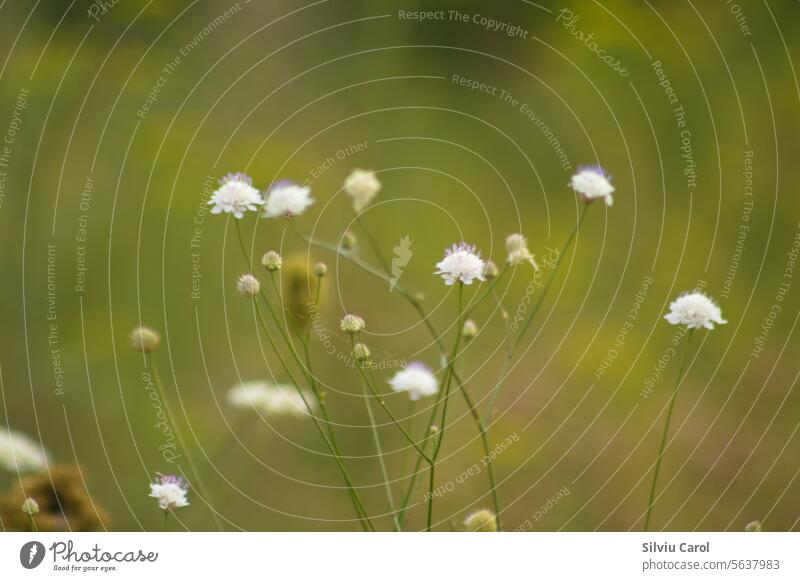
170,491
462,263
235,195
593,182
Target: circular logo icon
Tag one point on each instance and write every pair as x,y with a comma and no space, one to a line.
31,554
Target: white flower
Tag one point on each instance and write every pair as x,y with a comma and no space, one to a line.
352,324
170,492
19,453
517,247
286,199
591,183
235,195
362,186
248,285
417,379
461,263
695,310
269,399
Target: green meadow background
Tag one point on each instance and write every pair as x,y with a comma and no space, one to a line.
113,146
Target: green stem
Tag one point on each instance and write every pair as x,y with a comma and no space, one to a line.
374,244
179,436
332,447
448,380
665,432
378,449
552,276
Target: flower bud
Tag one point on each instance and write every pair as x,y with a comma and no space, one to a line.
490,270
30,507
360,352
145,339
753,527
320,269
482,521
352,324
470,330
272,261
349,240
248,286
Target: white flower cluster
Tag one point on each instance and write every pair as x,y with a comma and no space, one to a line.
236,195
19,453
170,491
695,310
416,379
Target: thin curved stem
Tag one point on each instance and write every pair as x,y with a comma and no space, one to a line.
179,435
448,380
665,432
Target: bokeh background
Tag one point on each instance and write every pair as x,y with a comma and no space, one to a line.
111,144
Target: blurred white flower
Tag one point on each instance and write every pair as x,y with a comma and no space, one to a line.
269,399
695,310
417,379
235,195
591,183
20,453
362,186
482,521
286,199
517,247
248,285
461,263
170,491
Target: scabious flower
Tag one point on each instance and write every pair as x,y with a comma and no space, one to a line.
482,521
145,339
19,453
235,195
362,186
170,491
517,247
272,261
248,286
287,199
591,183
269,399
417,379
695,310
30,507
352,324
462,263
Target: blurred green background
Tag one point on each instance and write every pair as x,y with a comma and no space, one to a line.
277,88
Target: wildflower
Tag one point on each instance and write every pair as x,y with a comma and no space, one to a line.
287,199
248,285
362,186
490,271
235,195
517,247
19,453
269,399
482,521
320,269
349,240
170,492
352,324
145,339
695,310
30,507
470,330
417,379
753,527
592,182
272,261
360,352
461,263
